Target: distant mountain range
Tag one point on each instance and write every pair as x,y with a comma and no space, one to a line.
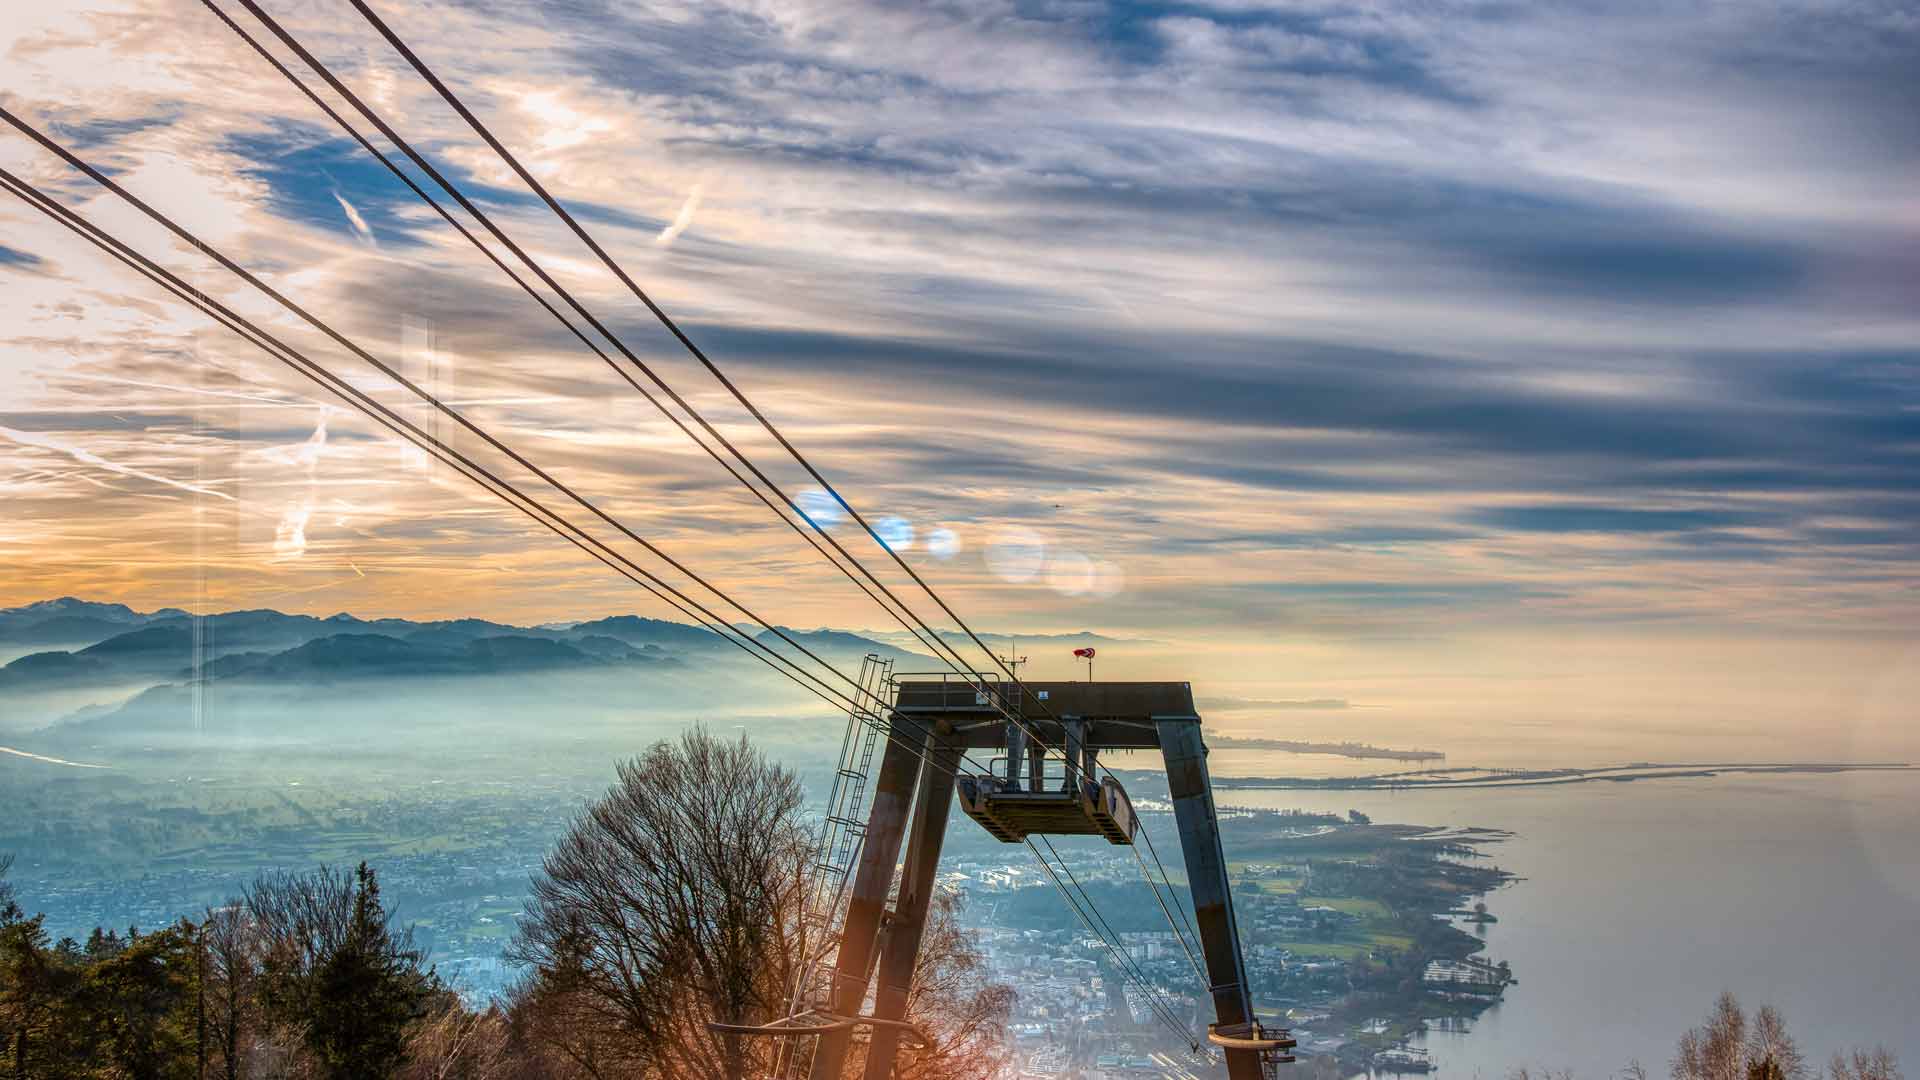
112,642
109,666
69,621
108,643
90,674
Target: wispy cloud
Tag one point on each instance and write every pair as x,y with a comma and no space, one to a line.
1227,704
88,457
290,534
359,223
1318,324
680,220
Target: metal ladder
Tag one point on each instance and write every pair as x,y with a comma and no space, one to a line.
845,824
844,827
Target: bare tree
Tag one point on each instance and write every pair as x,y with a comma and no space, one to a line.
1875,1064
952,1001
676,899
453,1042
1715,1050
300,919
1772,1051
296,921
562,1028
955,1003
663,905
227,943
1729,1047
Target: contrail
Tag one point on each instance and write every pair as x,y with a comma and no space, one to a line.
334,584
353,218
680,221
88,457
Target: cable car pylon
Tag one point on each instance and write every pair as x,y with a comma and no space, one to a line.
934,720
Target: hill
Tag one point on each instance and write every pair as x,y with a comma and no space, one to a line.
122,676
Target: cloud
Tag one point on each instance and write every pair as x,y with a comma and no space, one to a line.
87,457
1225,704
320,178
353,218
1621,519
290,535
1347,321
680,220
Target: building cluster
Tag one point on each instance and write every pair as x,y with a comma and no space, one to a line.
1080,1012
1469,976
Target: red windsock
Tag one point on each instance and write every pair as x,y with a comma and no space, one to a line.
1084,654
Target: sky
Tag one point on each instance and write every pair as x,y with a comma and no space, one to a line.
1551,362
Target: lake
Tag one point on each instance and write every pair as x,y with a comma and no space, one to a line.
1640,902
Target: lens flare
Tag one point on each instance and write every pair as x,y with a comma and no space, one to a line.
1108,579
943,544
1070,573
821,507
1017,554
897,532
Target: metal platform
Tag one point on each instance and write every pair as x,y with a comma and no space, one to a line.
1111,715
1010,814
1250,1037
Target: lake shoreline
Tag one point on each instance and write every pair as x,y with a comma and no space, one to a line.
1511,778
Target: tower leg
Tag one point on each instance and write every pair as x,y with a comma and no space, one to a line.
1076,744
1192,793
1016,755
908,925
893,789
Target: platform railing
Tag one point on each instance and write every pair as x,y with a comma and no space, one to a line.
961,689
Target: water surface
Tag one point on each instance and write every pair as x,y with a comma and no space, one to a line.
1642,901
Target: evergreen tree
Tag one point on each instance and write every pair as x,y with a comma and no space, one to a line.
366,993
103,944
39,1029
139,1004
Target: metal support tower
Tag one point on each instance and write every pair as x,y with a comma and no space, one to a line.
892,794
1191,790
944,716
908,923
